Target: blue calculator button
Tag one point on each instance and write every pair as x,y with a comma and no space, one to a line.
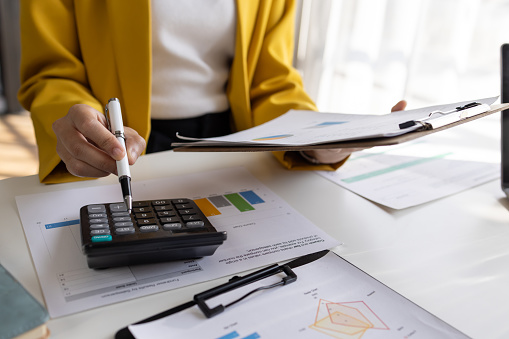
101,238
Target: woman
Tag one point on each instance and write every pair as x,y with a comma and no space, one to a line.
78,54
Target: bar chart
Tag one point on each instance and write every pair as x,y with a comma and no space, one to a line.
243,201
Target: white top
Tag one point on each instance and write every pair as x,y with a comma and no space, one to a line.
193,43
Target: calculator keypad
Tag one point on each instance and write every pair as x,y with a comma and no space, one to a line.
105,221
155,231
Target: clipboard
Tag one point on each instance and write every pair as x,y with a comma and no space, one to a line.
232,284
373,311
432,123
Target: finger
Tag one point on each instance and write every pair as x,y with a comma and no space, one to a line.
400,106
328,156
92,126
135,144
339,150
72,145
77,167
73,148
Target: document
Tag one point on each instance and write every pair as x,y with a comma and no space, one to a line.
410,174
262,229
308,128
330,299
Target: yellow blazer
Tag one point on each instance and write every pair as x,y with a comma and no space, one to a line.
86,52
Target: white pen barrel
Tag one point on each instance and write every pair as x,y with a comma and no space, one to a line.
117,127
123,165
115,116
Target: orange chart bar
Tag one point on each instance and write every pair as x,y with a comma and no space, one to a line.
206,207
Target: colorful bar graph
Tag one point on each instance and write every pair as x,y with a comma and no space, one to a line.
206,207
237,201
252,197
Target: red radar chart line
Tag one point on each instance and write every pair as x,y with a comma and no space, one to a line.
347,320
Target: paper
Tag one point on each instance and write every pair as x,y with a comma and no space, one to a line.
299,128
330,299
407,175
264,230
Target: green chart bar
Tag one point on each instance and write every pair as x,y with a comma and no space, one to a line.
393,168
239,202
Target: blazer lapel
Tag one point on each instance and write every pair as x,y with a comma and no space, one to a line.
131,34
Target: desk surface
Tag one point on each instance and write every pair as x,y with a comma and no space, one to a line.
449,256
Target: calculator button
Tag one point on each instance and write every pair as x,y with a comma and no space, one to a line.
141,203
172,226
142,209
180,201
149,228
166,214
98,221
99,226
183,206
123,224
169,219
101,238
160,202
121,219
98,232
120,214
118,207
195,224
124,230
97,215
144,215
146,221
96,209
192,217
163,208
190,211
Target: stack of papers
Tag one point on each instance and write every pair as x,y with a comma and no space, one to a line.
308,129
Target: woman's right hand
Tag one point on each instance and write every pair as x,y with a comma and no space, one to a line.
88,148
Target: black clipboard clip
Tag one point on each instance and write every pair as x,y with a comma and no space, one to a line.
445,118
237,282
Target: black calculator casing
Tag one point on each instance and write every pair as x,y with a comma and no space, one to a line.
149,247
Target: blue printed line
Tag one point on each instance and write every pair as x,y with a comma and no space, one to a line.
231,335
252,336
62,224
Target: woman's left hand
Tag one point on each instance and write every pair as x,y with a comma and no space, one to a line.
335,155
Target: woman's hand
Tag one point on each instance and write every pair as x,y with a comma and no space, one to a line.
335,155
88,148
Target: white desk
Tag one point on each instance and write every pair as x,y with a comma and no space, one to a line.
449,256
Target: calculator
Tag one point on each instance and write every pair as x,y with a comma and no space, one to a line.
154,231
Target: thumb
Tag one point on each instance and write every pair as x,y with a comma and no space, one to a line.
401,105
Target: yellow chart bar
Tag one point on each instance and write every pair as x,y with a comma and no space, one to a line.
206,207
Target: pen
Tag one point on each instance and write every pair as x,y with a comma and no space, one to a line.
116,126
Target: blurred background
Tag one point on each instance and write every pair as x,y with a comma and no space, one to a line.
355,56
365,55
